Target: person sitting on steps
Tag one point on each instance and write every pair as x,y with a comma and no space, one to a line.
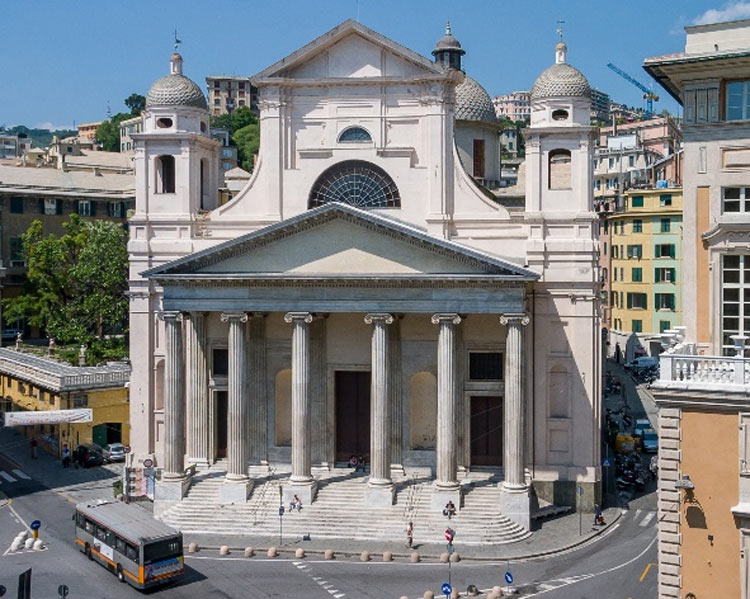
449,510
295,503
360,464
353,461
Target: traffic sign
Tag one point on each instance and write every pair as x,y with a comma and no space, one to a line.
579,490
446,588
451,548
126,449
509,578
606,463
450,534
35,525
63,591
2,590
148,462
281,510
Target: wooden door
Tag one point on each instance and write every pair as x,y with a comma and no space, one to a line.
352,414
487,430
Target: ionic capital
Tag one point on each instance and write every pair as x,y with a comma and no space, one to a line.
234,316
171,316
518,319
449,317
291,317
379,317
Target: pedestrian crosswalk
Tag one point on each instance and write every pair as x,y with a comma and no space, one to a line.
644,517
13,476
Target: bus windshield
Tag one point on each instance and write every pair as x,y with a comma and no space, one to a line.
162,550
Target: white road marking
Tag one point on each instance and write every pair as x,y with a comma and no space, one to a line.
637,513
647,519
20,474
7,476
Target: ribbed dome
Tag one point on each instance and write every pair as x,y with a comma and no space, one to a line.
473,103
561,80
448,41
175,89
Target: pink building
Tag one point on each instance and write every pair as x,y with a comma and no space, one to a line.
515,106
660,135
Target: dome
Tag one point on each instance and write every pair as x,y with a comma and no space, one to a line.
175,89
561,79
473,103
448,42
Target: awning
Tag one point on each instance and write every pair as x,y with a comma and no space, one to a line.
48,417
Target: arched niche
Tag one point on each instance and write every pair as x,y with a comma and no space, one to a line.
283,401
560,176
423,410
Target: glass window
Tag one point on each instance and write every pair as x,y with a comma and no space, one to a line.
605,248
738,101
131,552
664,301
485,366
664,325
355,134
665,199
357,183
220,362
161,550
664,275
16,251
637,300
50,206
664,250
120,545
637,326
90,527
635,251
637,275
666,225
16,205
611,163
637,226
735,300
84,208
631,161
636,202
735,199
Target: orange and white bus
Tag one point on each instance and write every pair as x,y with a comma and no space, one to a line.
129,542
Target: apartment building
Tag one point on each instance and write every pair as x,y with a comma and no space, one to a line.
620,163
87,131
127,128
515,106
660,134
645,271
702,392
599,106
14,145
226,93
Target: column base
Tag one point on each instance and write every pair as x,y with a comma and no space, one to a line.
442,495
258,469
322,468
397,470
515,504
200,463
306,491
169,491
235,491
380,495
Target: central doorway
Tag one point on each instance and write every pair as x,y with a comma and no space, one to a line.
487,430
352,389
222,412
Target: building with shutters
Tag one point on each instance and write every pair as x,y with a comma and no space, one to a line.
365,293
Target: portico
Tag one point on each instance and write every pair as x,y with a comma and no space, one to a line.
400,314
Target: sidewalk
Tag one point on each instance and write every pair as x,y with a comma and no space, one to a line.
75,484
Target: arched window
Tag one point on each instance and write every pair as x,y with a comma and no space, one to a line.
165,174
355,134
357,183
559,169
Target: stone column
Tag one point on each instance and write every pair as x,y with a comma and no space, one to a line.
301,482
237,484
446,485
196,389
174,483
380,490
258,416
515,496
395,389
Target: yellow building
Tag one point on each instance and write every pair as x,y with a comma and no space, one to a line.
645,272
60,404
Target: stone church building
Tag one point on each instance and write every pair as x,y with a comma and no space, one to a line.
366,294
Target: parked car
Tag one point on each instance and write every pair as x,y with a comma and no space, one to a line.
650,441
641,424
114,452
89,454
10,334
643,362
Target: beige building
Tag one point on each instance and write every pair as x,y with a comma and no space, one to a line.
704,421
87,131
127,128
227,93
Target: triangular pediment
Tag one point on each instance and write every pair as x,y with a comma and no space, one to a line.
337,241
350,50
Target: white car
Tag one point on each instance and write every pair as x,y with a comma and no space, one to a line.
114,452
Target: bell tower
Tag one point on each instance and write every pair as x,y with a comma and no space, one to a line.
448,51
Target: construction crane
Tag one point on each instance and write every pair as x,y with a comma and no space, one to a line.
648,95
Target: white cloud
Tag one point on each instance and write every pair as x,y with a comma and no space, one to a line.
51,126
731,11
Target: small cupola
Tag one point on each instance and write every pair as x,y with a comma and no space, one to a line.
448,51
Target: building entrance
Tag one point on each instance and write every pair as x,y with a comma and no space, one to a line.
487,431
222,413
352,414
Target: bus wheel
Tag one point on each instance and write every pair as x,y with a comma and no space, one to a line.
120,573
87,551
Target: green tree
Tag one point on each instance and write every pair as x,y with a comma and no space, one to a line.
247,140
238,119
136,103
76,283
108,133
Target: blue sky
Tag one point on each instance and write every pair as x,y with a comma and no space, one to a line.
63,61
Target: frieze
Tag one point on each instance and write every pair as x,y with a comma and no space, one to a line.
407,283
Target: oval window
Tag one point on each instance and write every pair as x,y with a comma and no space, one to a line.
164,123
560,115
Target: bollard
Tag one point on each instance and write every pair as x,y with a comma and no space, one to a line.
249,552
15,545
224,550
455,557
272,552
364,556
329,554
493,595
429,595
38,545
192,547
414,557
454,594
28,543
387,556
300,553
472,590
444,557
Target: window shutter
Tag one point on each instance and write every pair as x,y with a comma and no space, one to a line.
645,301
75,206
59,207
673,272
630,300
671,251
93,207
109,208
41,205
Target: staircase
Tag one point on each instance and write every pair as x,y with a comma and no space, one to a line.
338,510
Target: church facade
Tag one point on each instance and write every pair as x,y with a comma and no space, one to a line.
366,294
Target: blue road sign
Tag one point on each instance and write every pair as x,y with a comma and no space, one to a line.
579,490
35,525
509,578
446,588
606,463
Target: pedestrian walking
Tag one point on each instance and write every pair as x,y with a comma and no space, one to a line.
66,456
32,444
598,518
410,534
